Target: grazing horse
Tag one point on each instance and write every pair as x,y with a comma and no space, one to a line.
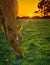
8,12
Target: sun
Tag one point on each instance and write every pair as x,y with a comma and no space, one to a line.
30,15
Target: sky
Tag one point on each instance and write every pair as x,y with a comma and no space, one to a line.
27,7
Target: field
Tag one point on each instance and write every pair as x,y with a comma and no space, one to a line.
35,44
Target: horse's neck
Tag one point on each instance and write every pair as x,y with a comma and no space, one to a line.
9,9
9,12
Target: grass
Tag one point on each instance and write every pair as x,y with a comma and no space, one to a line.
35,44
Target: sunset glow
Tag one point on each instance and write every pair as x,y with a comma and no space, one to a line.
30,15
27,7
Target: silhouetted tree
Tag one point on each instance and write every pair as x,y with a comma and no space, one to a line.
44,7
36,11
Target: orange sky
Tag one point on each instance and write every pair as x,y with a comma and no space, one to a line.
27,7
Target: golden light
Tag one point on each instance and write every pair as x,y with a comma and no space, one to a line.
30,15
27,7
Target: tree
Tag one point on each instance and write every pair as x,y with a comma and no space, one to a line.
44,7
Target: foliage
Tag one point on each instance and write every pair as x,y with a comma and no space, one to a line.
44,6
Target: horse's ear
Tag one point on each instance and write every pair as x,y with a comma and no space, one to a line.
19,27
2,28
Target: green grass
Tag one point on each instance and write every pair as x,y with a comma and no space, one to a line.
35,44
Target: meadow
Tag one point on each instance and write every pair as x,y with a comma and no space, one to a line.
35,44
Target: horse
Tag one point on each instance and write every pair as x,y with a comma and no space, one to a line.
8,14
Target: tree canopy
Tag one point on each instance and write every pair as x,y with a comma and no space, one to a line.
44,6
